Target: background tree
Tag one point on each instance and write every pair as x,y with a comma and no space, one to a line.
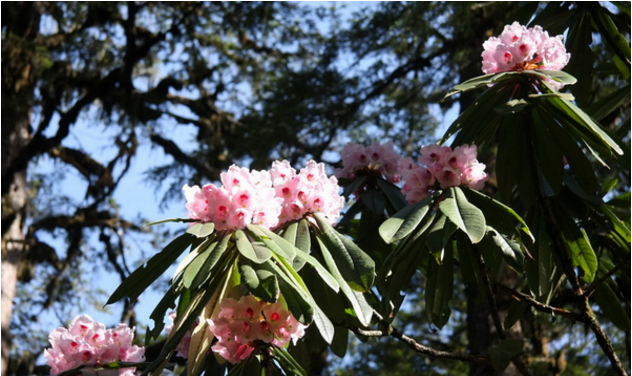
251,82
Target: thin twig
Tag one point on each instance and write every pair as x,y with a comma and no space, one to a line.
391,331
590,289
543,307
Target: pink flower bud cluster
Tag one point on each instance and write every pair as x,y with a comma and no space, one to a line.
309,191
441,168
267,198
519,48
182,350
245,197
87,342
240,323
379,160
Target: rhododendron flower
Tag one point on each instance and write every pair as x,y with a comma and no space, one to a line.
182,350
376,159
240,323
245,197
87,342
519,48
309,191
441,168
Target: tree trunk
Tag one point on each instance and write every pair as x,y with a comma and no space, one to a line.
21,23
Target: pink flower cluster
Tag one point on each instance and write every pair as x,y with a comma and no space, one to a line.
87,342
182,350
309,191
245,197
442,168
377,159
240,323
268,198
519,48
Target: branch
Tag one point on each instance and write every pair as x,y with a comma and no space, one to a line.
391,331
605,277
543,307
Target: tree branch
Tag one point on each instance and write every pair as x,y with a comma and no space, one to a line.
542,307
606,276
391,331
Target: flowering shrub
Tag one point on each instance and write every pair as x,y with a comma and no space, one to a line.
519,48
309,191
377,159
245,197
87,342
240,323
442,168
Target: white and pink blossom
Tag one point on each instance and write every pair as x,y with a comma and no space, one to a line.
441,168
87,342
519,48
377,159
245,197
240,323
306,192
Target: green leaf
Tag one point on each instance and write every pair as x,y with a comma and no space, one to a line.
515,312
471,84
405,221
605,106
185,220
541,269
480,113
201,230
355,266
577,244
141,278
393,194
507,165
548,154
261,282
439,235
502,353
258,255
158,314
511,250
295,296
297,233
353,186
612,307
439,289
559,76
501,216
274,242
577,117
363,311
464,215
322,272
289,365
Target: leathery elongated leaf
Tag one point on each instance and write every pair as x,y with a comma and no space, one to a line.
274,242
245,247
577,244
439,287
355,266
141,278
201,230
500,215
405,221
463,214
363,312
